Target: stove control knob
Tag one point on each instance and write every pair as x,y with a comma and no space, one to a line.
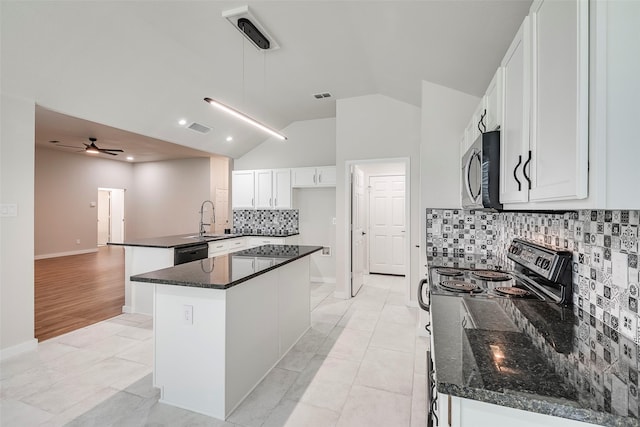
539,262
546,264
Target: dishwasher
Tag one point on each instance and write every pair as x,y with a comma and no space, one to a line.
190,253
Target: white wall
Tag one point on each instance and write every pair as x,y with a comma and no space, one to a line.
445,113
16,233
375,127
317,208
65,185
168,196
309,143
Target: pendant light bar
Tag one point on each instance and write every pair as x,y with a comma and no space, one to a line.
244,117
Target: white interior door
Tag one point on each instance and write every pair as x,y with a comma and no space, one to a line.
117,215
357,230
104,213
387,225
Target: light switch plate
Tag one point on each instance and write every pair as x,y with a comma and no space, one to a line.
187,314
8,209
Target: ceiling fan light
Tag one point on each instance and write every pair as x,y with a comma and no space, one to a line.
92,151
240,115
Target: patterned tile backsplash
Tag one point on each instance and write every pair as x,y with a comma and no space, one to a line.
265,221
604,243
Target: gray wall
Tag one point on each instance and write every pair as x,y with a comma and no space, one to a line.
161,198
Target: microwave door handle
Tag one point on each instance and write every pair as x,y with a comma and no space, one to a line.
515,174
467,183
474,198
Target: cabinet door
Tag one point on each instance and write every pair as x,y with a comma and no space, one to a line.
219,247
303,177
242,190
493,102
263,189
560,103
282,188
326,176
514,138
236,244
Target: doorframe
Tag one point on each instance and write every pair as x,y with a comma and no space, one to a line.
111,216
407,212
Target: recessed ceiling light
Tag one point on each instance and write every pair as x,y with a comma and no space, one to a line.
229,138
129,158
182,122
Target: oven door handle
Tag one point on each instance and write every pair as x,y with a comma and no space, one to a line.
421,303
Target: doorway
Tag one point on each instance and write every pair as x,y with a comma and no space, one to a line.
379,221
110,215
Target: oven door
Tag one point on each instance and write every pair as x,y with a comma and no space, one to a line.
471,179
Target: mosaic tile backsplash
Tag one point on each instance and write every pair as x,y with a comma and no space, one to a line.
604,244
265,221
606,282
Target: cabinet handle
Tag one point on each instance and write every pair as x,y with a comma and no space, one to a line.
270,204
252,204
275,201
320,178
481,122
314,178
515,175
449,411
524,170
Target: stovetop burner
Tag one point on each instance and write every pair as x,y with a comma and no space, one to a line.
449,271
511,291
458,286
491,275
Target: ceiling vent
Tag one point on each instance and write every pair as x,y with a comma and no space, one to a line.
199,128
249,26
322,95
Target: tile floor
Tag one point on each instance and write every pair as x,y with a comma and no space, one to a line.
360,364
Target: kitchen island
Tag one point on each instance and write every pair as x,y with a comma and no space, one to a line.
222,323
154,253
530,363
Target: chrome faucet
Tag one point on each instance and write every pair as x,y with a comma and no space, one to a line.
213,217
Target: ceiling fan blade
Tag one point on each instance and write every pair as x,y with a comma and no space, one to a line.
111,149
106,152
68,146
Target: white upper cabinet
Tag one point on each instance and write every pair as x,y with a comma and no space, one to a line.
493,103
262,189
544,139
242,190
559,131
281,188
322,176
514,135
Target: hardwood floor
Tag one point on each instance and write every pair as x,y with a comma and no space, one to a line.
75,291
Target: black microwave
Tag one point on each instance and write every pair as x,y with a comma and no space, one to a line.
481,173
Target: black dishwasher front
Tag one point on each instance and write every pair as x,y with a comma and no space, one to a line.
190,253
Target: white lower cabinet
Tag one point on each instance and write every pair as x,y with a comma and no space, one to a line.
459,412
225,246
254,241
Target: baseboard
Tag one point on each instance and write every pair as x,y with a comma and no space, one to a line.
341,295
15,350
322,279
127,309
59,254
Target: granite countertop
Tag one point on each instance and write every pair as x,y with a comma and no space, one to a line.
225,271
184,240
535,356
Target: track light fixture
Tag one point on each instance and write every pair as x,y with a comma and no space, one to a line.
244,117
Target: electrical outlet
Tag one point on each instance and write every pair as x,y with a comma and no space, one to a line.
9,209
187,314
333,221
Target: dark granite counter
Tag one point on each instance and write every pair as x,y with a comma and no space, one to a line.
184,240
535,356
225,271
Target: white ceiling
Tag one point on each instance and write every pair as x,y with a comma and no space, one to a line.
140,66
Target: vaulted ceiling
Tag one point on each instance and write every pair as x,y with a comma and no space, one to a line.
140,66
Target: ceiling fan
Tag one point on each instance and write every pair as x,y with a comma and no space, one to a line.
94,149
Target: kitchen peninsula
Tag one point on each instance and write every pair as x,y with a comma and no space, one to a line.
222,323
149,254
